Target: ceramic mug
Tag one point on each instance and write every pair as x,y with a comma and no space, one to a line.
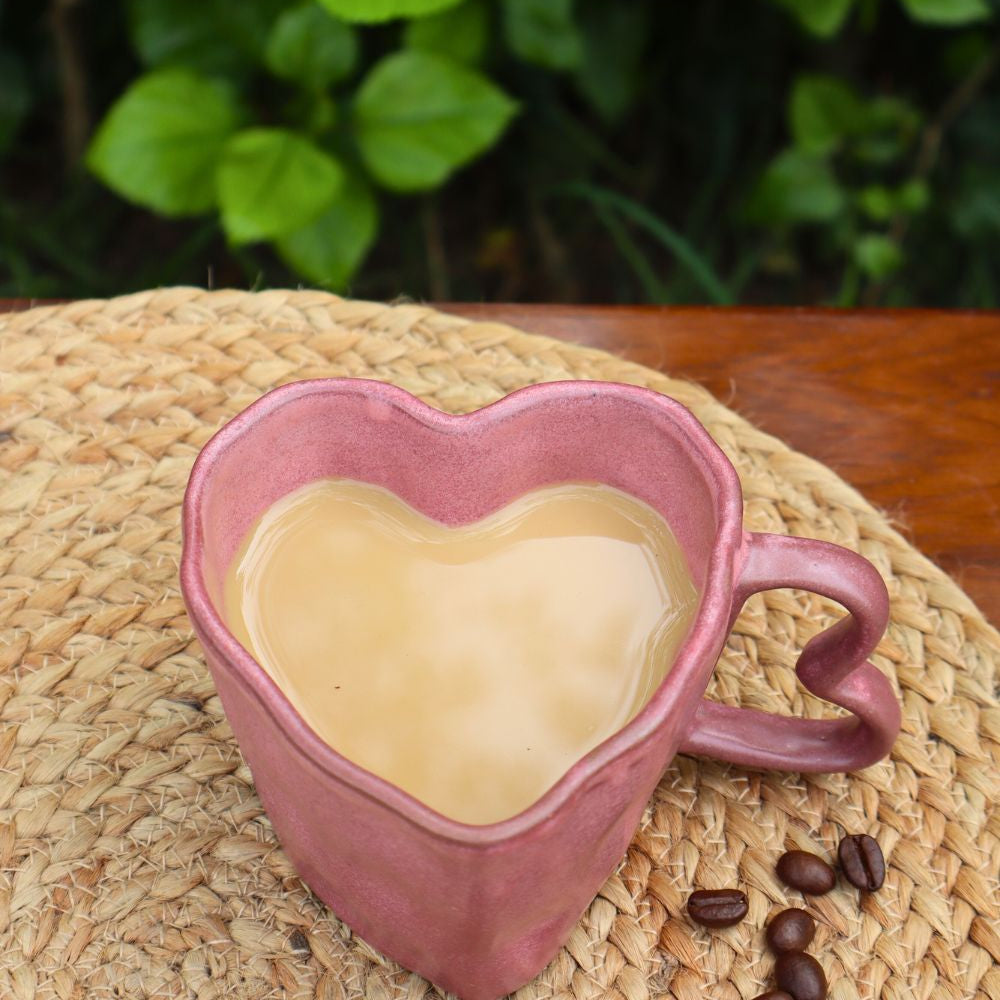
480,910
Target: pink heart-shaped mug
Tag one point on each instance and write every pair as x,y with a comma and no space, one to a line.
480,910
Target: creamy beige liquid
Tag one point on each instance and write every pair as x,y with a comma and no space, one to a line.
470,666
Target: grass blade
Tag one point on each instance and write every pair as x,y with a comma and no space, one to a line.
685,254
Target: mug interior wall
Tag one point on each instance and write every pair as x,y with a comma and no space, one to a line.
457,474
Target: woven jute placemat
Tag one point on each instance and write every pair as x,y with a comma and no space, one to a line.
135,858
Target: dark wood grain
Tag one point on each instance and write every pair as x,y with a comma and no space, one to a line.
905,405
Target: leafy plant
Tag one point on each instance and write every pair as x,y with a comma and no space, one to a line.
779,149
859,164
170,142
837,136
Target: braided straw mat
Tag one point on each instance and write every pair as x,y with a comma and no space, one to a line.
135,858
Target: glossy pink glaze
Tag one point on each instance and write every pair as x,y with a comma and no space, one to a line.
479,910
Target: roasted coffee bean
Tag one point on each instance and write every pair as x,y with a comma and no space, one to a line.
717,907
790,930
806,872
775,995
801,975
862,861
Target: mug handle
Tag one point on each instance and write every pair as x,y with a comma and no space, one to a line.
833,665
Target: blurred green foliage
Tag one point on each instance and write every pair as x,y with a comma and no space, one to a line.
839,151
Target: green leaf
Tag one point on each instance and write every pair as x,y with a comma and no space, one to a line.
375,11
311,47
796,187
418,117
889,128
159,144
823,18
822,111
460,33
329,250
877,255
614,38
877,202
913,197
891,113
947,12
700,268
543,32
15,97
272,181
214,36
880,203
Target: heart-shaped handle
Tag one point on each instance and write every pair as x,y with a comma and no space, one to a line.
833,665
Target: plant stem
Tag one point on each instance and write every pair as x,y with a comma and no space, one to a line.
437,261
73,77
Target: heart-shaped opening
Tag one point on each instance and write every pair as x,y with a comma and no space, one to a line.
471,665
458,470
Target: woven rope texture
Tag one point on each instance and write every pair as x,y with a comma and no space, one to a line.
135,858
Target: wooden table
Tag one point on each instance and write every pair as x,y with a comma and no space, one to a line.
903,404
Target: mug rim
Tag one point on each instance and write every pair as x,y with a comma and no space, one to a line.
682,681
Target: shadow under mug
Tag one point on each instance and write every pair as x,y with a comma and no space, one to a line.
480,910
